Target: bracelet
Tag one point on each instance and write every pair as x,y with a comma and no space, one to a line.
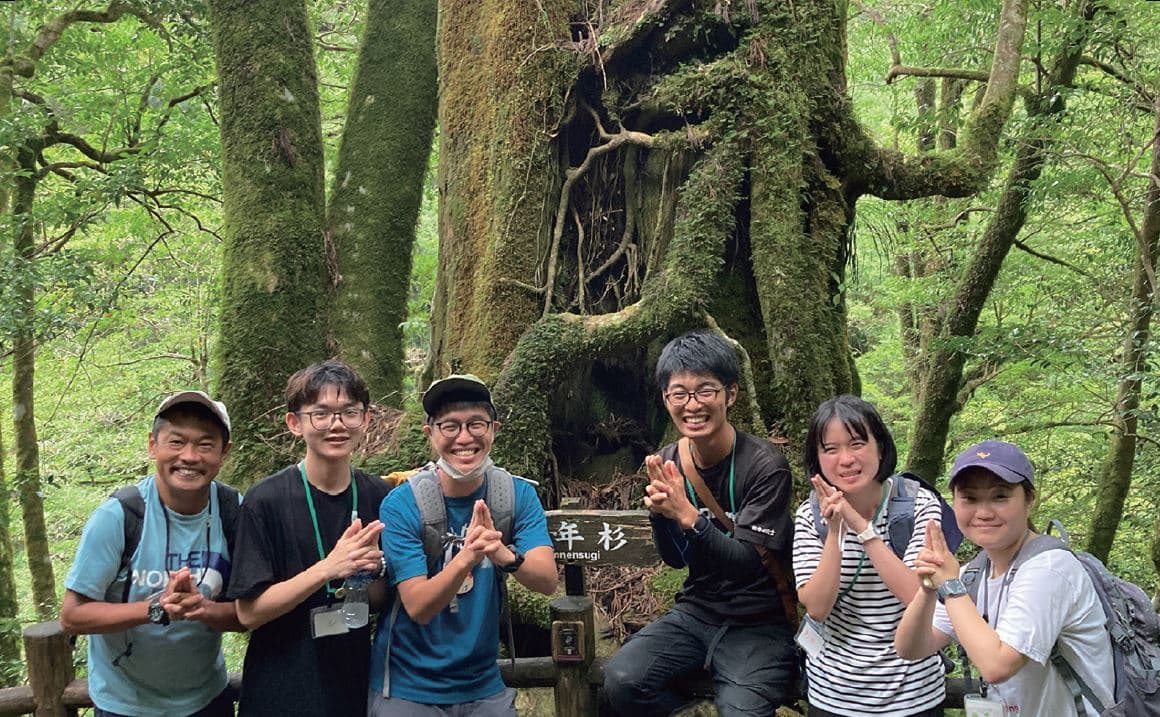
382,567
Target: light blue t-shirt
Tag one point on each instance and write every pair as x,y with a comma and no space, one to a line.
174,669
452,659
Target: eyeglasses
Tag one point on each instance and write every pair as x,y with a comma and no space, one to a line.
475,427
704,395
322,420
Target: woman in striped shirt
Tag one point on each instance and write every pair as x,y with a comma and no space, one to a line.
852,584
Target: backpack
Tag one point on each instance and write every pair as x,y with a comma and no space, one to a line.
133,506
1132,626
904,487
500,499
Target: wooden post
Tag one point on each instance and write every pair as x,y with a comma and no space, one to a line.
575,696
50,666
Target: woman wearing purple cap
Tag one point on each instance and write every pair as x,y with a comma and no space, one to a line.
1020,609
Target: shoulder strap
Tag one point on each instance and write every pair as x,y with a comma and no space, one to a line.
689,468
228,507
133,506
501,500
820,526
432,514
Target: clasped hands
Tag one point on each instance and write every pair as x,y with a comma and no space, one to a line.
482,540
836,510
665,493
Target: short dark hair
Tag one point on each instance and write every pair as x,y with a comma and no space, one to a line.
189,409
305,385
700,352
861,419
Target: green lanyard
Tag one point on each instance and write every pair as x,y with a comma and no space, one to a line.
314,515
862,560
732,497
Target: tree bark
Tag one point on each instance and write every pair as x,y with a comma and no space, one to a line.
9,604
606,178
27,478
378,188
944,367
274,271
1116,473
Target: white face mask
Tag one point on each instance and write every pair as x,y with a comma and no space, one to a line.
471,475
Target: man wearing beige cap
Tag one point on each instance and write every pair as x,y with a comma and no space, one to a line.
152,561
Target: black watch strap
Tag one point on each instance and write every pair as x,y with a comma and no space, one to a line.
515,564
157,614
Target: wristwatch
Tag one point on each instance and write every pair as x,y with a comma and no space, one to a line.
157,614
515,564
700,525
950,589
867,534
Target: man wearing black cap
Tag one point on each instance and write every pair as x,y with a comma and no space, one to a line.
437,649
155,624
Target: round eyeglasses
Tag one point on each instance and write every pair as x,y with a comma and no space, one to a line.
322,420
703,395
475,427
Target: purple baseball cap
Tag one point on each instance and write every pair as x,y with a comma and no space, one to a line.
1005,460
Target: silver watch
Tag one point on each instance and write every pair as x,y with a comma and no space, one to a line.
950,589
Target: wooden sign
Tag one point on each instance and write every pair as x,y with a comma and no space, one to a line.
602,537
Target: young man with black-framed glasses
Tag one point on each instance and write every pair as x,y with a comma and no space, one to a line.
303,531
718,501
435,651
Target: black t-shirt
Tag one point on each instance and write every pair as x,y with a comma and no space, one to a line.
288,672
759,506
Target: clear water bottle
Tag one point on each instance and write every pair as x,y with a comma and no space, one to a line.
356,609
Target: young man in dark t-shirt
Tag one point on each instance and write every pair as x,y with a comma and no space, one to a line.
729,616
301,533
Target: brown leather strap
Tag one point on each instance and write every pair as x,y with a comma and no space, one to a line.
769,559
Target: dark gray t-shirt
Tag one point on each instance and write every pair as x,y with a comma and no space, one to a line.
758,501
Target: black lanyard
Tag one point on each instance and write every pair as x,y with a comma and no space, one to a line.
314,515
208,521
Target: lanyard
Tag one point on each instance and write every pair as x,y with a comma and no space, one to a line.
862,559
314,515
732,462
208,520
985,576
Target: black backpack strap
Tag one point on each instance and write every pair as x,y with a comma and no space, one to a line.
229,507
133,506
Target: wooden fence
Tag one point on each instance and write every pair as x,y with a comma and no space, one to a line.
583,538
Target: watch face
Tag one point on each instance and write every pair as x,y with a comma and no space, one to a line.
157,614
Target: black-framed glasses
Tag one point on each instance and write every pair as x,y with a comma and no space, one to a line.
476,427
322,420
705,394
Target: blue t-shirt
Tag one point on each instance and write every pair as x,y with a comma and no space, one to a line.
174,669
452,659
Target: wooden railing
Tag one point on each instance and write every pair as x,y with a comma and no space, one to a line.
583,538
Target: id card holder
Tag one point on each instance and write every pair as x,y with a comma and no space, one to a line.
811,637
326,621
979,706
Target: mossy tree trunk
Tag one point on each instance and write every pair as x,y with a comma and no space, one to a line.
27,450
378,187
9,605
609,178
942,388
273,318
302,282
1116,473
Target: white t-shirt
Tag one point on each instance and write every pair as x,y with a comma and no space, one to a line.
858,671
1049,599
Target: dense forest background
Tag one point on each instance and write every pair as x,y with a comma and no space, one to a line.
975,254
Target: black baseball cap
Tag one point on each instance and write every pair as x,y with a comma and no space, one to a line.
456,388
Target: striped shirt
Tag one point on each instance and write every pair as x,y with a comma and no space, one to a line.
858,672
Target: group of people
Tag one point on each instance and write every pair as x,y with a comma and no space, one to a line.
159,577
